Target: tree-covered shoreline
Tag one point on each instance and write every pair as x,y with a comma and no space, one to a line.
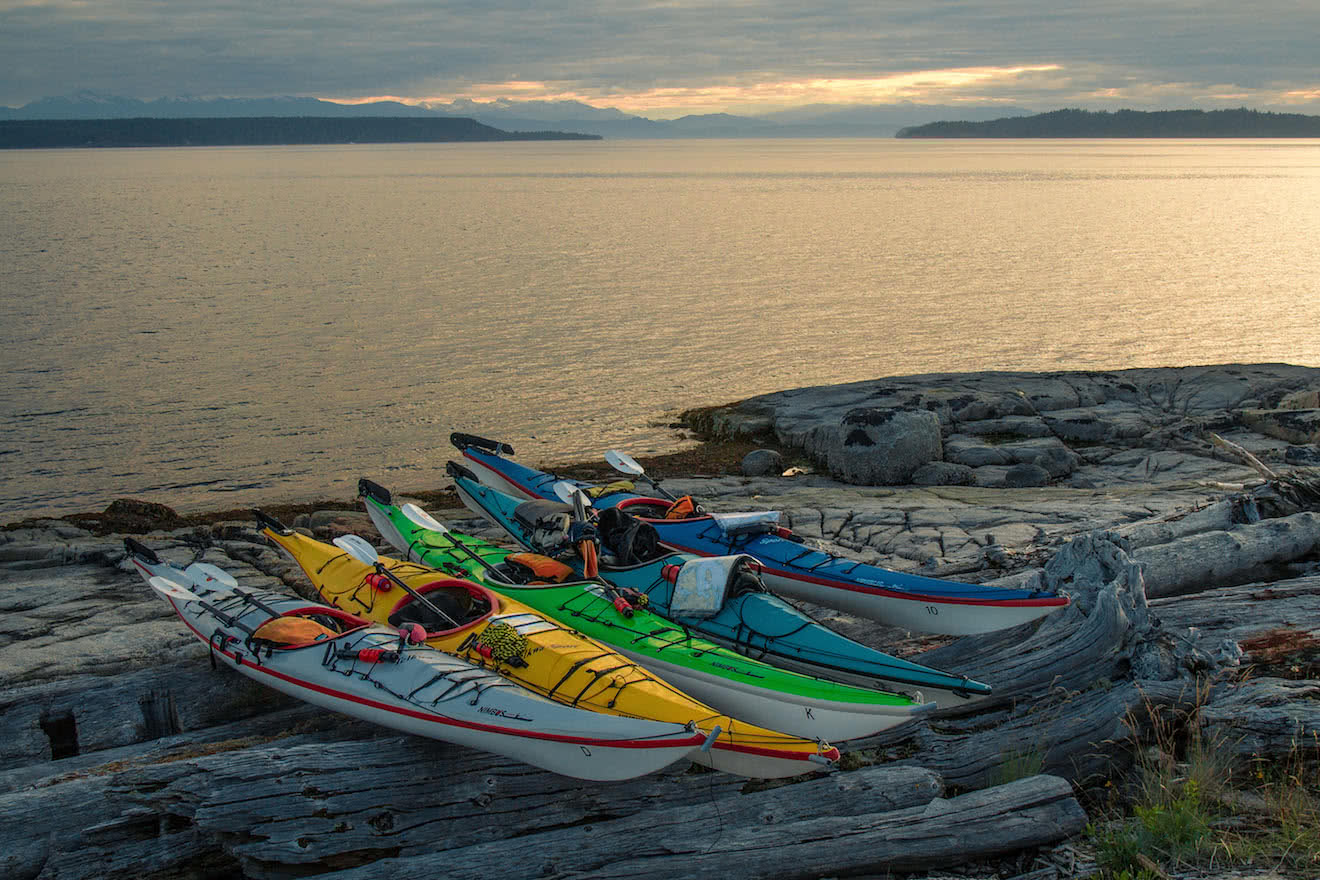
255,131
1074,123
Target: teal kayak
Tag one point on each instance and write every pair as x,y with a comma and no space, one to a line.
748,619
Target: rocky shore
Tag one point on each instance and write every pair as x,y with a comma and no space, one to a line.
1177,507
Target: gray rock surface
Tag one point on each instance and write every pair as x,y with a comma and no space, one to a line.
1088,415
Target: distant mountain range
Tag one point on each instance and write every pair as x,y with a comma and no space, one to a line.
822,120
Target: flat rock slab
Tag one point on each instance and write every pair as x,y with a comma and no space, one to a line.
1089,413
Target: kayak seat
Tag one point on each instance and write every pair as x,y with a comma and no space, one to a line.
464,603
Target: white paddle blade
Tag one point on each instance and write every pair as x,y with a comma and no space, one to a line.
570,494
421,518
205,571
624,463
168,589
358,548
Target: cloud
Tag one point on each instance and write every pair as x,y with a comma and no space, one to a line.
668,56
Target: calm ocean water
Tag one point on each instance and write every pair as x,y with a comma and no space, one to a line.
217,327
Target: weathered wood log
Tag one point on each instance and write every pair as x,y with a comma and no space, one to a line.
1083,736
842,797
1094,638
90,713
1267,718
1217,517
1029,812
1240,555
284,806
1245,612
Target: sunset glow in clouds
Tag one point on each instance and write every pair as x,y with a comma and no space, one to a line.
924,86
676,57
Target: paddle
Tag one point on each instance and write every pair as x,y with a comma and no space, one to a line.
199,572
169,589
572,494
626,464
363,552
419,517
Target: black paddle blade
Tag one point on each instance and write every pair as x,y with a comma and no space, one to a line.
375,491
463,441
266,521
142,551
454,469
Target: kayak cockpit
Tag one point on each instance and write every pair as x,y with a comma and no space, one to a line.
660,508
463,602
302,627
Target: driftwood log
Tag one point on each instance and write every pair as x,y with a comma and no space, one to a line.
760,840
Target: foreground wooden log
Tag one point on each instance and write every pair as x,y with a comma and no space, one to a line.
1269,719
1246,612
662,845
1243,554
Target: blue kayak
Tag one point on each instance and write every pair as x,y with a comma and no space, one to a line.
790,565
748,619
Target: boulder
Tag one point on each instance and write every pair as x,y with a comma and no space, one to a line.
1298,426
974,452
131,515
1058,461
883,447
762,463
943,473
1021,476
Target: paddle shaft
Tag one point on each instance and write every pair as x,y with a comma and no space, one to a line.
380,567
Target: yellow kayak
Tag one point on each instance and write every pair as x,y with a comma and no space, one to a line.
511,638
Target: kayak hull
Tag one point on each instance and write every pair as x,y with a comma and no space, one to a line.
794,568
767,695
462,704
758,625
562,664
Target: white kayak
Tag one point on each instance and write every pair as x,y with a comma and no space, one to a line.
337,661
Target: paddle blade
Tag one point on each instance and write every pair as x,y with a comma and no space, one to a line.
358,548
421,518
168,589
205,571
624,463
570,494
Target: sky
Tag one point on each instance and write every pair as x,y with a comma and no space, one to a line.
668,58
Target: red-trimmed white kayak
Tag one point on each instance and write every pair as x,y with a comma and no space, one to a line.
365,671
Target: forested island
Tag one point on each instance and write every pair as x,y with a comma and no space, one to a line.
256,131
1128,124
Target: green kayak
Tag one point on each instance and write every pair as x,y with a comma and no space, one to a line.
745,688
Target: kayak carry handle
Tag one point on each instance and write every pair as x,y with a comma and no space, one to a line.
142,551
456,470
375,491
463,441
266,521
